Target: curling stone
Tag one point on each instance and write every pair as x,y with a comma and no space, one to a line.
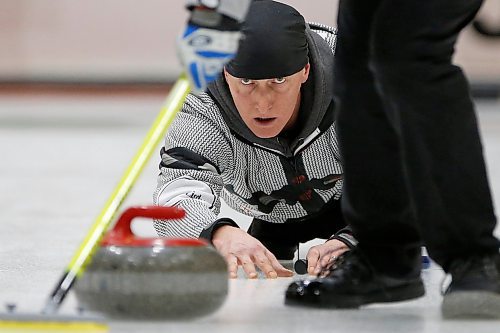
152,278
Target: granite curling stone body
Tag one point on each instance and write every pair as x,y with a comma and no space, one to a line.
159,278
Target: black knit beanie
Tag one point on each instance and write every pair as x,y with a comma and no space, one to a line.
274,42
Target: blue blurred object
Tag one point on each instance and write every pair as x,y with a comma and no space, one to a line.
426,262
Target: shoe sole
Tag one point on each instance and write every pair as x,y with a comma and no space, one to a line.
471,304
398,294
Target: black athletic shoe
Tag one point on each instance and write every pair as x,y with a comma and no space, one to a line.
475,288
352,282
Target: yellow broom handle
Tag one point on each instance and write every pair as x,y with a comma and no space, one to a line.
172,105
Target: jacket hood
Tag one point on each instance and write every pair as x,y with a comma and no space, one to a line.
316,102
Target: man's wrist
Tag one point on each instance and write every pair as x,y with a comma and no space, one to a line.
220,229
209,231
346,238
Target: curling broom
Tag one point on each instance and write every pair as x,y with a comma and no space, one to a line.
48,319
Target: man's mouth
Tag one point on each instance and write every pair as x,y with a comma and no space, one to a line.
264,121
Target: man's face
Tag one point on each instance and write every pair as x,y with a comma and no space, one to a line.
268,106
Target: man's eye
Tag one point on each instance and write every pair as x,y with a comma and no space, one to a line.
279,80
246,81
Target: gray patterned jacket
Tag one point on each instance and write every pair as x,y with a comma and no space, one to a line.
209,153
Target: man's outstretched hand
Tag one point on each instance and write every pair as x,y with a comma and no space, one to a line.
322,256
241,249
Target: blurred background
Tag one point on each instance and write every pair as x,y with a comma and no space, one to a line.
126,41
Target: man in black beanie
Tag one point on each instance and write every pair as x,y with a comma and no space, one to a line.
262,137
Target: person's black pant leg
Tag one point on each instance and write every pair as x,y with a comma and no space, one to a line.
376,202
413,44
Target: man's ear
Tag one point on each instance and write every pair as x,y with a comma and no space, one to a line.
225,73
306,69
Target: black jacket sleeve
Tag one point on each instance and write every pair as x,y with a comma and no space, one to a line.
209,231
345,236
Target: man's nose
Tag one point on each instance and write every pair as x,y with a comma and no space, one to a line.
263,101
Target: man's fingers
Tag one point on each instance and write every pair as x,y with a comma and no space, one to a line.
326,259
322,262
280,270
283,272
265,265
248,267
232,266
313,257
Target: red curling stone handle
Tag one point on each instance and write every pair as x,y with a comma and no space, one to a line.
122,235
